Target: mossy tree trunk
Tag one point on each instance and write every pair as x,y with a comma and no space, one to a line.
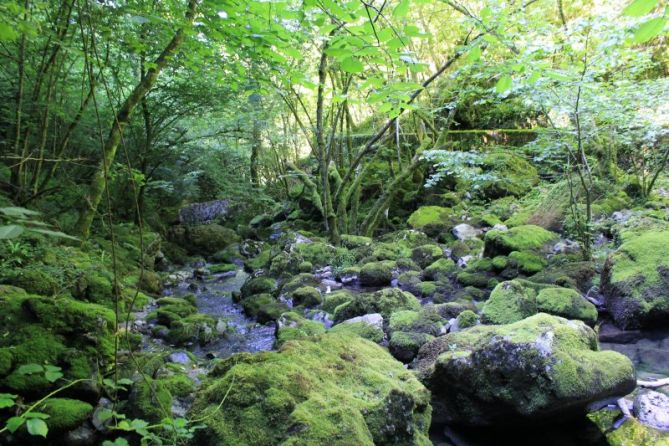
99,181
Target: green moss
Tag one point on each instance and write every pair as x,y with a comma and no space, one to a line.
467,319
531,368
65,414
209,239
385,301
509,302
362,329
263,307
375,274
426,254
527,262
641,256
307,296
440,269
259,285
478,280
261,261
292,327
337,390
223,268
499,263
334,299
430,215
512,175
427,289
35,280
318,253
179,385
305,267
567,303
355,241
404,346
299,281
196,327
520,238
150,400
424,321
630,433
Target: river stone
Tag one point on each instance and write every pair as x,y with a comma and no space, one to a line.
206,212
635,281
540,369
652,409
463,231
179,358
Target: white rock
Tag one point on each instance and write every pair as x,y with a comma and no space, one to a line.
374,319
652,409
463,231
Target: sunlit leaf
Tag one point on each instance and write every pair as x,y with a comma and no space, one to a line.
352,65
639,7
37,427
504,83
649,29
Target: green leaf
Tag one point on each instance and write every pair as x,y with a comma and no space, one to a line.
7,400
402,9
504,83
28,369
474,54
37,427
14,423
40,415
12,211
649,29
53,376
10,231
7,32
120,441
352,65
639,7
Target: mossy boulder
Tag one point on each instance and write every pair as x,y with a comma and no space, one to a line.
629,433
635,281
385,302
440,269
473,279
299,281
307,296
332,300
291,327
337,389
528,263
517,299
259,285
150,400
363,329
433,220
519,238
376,274
577,275
467,319
426,254
426,320
33,279
65,414
209,239
541,369
263,307
405,345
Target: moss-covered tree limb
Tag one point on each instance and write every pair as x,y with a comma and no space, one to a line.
99,181
309,185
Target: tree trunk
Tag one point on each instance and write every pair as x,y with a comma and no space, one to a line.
99,181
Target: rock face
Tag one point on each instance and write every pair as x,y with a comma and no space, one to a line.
339,389
652,409
206,212
538,369
635,281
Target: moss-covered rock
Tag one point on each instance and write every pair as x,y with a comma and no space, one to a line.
332,300
635,281
35,280
577,275
291,327
385,302
259,285
405,345
367,331
543,368
519,238
630,433
477,280
567,303
355,241
150,400
527,262
376,274
337,390
433,220
307,296
65,414
517,299
209,239
299,281
467,319
263,307
440,270
426,255
427,320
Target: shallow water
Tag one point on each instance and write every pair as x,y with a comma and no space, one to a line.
214,297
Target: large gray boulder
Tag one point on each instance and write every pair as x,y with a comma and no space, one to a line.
542,368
